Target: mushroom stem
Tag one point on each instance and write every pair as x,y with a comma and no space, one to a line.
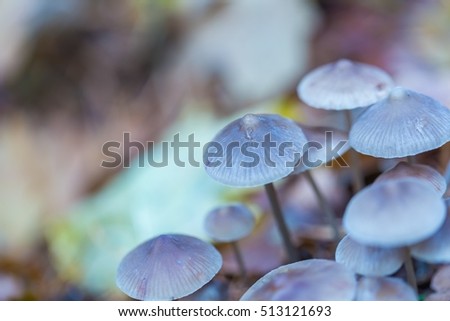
410,273
330,216
355,164
281,223
239,260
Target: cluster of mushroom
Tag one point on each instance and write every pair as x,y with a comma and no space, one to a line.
401,215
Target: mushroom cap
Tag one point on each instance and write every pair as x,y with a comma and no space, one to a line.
167,267
368,260
394,213
344,84
384,289
435,249
441,279
229,223
403,124
308,280
246,160
321,141
421,171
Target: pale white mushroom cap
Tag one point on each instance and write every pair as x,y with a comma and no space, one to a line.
308,280
167,267
394,213
344,84
368,260
229,223
403,124
249,163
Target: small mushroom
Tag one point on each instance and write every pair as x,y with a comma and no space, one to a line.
424,172
395,213
403,124
384,289
229,224
254,150
167,267
368,260
435,249
321,141
308,280
344,84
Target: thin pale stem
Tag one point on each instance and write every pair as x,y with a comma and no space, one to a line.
240,261
281,223
355,163
410,272
330,216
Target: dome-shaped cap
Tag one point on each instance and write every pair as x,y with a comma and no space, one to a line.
321,142
308,280
167,267
384,289
403,124
394,213
368,260
424,172
344,84
229,223
435,249
256,149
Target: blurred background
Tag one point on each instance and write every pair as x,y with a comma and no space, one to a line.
75,74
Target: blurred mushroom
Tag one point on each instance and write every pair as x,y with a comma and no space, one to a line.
345,85
435,249
229,224
257,149
308,280
368,260
167,267
424,172
395,213
384,289
321,141
405,123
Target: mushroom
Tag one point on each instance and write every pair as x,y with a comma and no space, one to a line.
229,224
403,124
322,140
435,249
395,213
368,260
424,172
345,85
254,150
167,267
308,280
384,289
